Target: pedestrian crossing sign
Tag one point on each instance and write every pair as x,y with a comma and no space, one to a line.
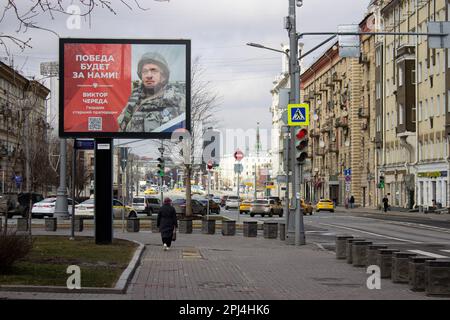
298,115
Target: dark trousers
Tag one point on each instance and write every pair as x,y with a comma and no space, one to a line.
167,241
386,207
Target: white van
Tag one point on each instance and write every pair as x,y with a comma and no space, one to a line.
139,204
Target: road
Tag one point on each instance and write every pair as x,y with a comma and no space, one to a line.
422,235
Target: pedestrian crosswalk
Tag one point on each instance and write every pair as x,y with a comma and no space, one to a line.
430,254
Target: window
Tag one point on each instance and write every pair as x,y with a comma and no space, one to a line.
400,76
420,111
400,113
413,77
438,105
432,111
425,110
388,122
378,90
438,63
448,101
419,73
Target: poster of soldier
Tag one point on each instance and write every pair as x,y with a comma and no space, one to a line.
124,88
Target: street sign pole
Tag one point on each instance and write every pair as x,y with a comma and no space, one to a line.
294,235
239,198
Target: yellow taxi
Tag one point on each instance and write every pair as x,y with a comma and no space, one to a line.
245,206
325,204
120,209
307,207
150,191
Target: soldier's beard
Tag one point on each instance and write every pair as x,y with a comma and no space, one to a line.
150,91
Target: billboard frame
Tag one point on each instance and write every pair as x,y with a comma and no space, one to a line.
122,135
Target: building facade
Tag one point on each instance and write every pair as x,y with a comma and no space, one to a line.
22,123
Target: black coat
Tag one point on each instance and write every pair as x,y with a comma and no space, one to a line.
167,220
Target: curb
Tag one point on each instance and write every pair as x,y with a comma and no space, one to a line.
120,287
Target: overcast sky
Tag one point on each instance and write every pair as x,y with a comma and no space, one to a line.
218,29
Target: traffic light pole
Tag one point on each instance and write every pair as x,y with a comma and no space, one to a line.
295,227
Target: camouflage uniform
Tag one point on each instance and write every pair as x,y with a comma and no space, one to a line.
145,112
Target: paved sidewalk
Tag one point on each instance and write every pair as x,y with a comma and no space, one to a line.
206,267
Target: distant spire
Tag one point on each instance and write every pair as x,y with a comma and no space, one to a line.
258,141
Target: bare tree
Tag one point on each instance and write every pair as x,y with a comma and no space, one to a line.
204,104
26,14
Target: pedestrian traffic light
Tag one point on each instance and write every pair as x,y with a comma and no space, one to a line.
161,167
210,164
381,184
301,145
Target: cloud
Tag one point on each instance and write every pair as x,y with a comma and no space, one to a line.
218,29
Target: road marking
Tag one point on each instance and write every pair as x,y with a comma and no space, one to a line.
446,251
371,233
428,254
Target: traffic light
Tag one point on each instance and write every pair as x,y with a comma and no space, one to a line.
301,145
161,167
210,164
381,184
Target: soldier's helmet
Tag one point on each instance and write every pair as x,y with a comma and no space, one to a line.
155,58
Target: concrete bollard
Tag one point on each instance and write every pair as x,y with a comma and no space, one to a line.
270,230
384,261
437,277
22,224
50,224
400,266
228,227
282,228
133,225
359,251
349,249
341,246
154,224
185,225
208,226
250,228
417,272
372,252
79,226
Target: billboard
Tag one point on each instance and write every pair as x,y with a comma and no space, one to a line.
124,88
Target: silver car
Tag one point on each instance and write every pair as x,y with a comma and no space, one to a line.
266,207
232,202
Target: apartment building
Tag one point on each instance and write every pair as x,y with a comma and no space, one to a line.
412,105
22,102
332,86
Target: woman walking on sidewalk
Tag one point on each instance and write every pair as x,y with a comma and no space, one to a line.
167,223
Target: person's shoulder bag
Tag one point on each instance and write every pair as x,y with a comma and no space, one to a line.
174,234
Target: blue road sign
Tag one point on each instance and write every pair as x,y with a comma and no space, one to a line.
298,114
84,144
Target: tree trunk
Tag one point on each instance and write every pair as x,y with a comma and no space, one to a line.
188,191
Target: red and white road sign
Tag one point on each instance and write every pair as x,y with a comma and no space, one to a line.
210,164
238,155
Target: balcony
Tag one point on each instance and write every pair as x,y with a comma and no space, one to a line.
332,147
314,133
364,124
363,113
341,122
335,77
319,153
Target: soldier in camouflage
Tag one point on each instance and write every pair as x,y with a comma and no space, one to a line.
155,101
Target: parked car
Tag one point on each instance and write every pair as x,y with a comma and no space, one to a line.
216,200
325,204
152,205
265,206
213,206
232,202
223,201
245,206
18,204
138,204
85,209
307,207
46,207
277,199
180,207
